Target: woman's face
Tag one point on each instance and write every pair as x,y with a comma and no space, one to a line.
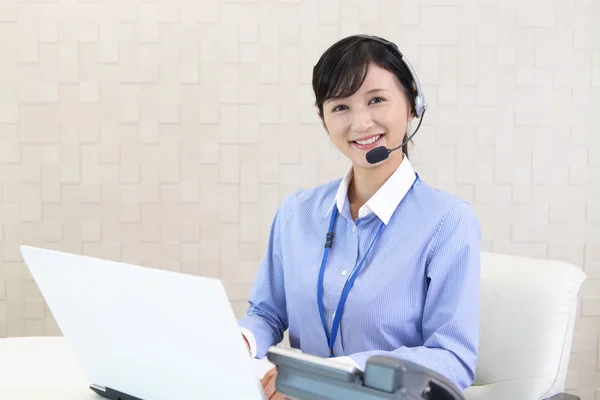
376,115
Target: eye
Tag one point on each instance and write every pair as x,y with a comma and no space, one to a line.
377,99
339,108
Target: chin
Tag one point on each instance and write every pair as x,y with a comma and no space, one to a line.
361,162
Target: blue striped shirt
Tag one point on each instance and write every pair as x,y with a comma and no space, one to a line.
416,297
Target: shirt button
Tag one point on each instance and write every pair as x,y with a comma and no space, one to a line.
333,315
354,229
344,272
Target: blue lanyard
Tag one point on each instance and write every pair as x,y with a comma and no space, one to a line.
340,307
347,287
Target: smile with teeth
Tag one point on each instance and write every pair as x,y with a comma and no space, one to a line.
368,141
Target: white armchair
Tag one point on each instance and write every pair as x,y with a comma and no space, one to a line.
528,309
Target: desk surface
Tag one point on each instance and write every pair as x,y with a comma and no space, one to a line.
45,368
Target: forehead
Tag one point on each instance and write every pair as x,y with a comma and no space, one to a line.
379,77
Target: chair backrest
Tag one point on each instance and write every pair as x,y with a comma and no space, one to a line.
528,309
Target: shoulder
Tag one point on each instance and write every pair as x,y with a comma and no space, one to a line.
454,223
442,205
315,200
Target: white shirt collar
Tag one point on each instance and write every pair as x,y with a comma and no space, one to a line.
384,202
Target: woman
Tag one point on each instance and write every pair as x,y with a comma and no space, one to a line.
404,256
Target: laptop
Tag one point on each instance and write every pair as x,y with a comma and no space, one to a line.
145,333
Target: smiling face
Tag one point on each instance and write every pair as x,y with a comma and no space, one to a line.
376,115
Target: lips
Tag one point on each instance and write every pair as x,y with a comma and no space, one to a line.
368,142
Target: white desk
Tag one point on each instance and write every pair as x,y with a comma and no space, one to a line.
44,368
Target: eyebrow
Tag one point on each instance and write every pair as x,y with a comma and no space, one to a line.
377,90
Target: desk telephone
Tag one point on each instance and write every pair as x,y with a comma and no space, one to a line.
306,377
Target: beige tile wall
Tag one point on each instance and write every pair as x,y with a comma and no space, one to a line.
166,132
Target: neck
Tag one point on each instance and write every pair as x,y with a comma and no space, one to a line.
366,182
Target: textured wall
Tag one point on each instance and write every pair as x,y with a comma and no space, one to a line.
166,133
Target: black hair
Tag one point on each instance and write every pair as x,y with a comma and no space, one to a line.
343,67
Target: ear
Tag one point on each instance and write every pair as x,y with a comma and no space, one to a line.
411,113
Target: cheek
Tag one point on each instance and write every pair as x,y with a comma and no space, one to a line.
394,120
393,115
337,128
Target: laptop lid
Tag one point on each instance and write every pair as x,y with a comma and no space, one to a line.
144,332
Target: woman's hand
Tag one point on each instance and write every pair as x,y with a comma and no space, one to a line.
268,380
268,384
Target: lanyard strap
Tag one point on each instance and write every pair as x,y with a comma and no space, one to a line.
340,307
347,287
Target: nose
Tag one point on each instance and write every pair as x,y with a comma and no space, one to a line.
362,120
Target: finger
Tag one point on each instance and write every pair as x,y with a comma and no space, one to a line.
267,377
270,390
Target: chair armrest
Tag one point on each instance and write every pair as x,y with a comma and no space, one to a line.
563,396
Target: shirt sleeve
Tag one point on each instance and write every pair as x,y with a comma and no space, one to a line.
450,322
266,319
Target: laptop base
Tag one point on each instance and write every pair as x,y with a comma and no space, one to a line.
111,394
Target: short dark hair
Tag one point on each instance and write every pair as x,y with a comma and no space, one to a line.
342,69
